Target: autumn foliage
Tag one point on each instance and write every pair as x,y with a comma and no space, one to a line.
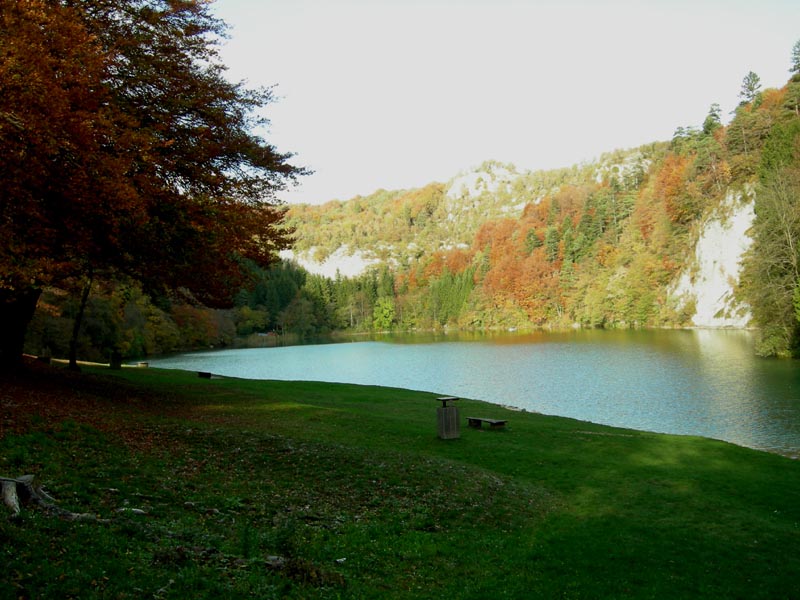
124,149
126,154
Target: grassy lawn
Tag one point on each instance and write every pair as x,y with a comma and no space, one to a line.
314,490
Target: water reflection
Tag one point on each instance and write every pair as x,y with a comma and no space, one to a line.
700,382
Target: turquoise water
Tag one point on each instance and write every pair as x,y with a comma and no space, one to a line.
706,383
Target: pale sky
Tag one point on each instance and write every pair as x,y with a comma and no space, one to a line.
399,93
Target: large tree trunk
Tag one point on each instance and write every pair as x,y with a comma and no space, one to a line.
16,311
76,327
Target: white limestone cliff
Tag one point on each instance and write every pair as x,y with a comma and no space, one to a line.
710,279
343,261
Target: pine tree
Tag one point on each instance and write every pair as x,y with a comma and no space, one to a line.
751,86
795,69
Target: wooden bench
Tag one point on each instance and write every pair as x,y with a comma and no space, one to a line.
477,422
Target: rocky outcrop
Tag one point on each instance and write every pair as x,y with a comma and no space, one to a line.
709,281
344,261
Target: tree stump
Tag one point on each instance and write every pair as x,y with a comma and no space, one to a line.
23,490
26,490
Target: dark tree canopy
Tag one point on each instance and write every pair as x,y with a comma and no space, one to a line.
123,147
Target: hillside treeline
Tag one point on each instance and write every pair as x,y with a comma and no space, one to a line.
596,245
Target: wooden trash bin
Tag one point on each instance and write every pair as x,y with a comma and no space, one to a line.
447,419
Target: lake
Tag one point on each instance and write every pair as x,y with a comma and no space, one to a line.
695,382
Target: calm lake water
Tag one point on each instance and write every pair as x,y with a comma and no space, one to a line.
706,383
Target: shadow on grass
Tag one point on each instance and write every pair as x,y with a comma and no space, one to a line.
352,485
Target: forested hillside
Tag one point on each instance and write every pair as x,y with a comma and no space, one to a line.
599,245
631,240
401,226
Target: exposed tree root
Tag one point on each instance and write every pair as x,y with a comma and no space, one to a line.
27,491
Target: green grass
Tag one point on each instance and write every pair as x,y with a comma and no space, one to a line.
352,489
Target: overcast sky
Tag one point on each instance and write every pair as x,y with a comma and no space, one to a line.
399,93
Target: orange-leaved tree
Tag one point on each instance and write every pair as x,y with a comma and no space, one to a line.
123,148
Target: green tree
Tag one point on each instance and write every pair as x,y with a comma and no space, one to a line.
298,317
751,86
385,282
319,290
448,294
795,58
551,240
271,289
791,102
532,241
744,139
249,320
771,269
383,314
713,119
780,148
